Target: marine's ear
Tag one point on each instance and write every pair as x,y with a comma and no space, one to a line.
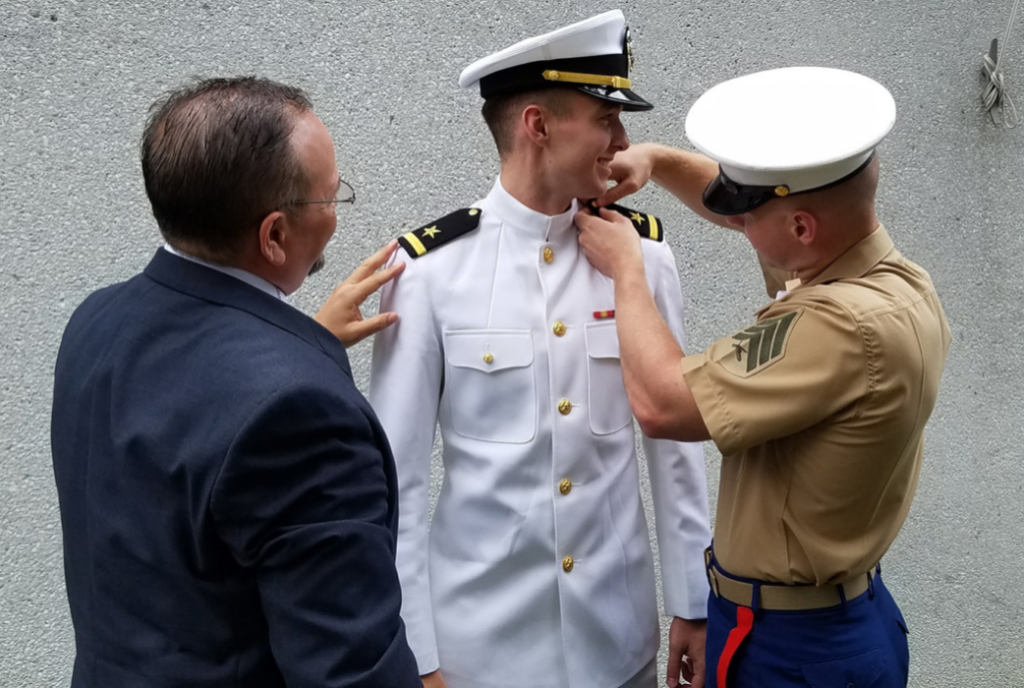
804,227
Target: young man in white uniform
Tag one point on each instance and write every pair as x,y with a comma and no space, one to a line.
537,571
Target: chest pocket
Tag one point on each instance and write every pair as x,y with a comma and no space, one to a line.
609,407
490,384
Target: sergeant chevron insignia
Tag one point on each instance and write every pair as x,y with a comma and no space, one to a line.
760,345
647,226
428,237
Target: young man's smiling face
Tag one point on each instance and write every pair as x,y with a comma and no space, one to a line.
583,143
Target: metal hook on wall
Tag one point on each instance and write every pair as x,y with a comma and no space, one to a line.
994,96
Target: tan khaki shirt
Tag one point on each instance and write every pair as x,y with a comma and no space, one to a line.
819,411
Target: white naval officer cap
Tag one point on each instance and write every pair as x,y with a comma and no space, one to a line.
787,131
594,56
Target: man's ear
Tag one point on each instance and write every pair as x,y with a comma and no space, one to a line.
534,120
804,227
273,234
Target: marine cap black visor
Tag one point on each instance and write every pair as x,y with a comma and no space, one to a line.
724,196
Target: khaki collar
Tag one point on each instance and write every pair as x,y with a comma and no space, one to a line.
857,261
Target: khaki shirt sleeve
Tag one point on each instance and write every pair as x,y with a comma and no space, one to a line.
799,364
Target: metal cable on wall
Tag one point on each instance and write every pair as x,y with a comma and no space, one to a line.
994,97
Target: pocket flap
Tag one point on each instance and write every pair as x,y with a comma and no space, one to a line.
602,340
488,350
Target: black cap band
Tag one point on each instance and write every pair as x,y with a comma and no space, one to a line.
531,77
727,197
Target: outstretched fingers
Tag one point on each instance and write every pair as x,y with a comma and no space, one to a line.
373,262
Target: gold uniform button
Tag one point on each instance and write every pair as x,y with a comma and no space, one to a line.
549,255
564,407
565,487
559,328
567,564
488,357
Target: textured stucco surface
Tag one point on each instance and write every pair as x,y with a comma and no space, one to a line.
76,78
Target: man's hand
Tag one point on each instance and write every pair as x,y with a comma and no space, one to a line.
434,680
631,170
340,313
686,641
609,241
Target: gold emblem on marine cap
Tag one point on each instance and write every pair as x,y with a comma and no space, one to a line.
782,190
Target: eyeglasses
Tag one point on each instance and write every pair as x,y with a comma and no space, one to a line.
345,194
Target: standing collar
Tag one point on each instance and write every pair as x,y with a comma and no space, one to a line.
525,221
238,273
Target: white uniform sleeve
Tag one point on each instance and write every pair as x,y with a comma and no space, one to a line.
405,387
678,480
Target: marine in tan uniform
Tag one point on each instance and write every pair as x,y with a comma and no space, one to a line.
819,405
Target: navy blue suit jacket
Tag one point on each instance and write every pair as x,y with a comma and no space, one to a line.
227,495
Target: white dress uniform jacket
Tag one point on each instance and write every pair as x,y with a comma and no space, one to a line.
537,571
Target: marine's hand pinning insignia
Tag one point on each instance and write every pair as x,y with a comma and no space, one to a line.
760,345
419,241
647,226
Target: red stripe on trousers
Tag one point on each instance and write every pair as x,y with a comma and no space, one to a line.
744,622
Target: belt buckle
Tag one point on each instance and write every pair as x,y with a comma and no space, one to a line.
710,571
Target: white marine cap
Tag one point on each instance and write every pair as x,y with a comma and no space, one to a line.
594,56
787,131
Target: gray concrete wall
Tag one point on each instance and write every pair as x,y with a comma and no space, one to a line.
76,78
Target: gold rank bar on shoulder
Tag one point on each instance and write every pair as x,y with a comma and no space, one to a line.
421,241
647,226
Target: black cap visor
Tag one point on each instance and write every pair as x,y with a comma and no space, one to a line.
625,97
725,197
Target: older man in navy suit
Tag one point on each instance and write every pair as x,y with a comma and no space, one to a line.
228,497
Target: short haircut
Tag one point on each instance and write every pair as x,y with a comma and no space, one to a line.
501,113
217,159
856,194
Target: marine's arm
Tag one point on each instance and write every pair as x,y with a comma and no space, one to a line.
405,390
658,394
682,173
679,491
